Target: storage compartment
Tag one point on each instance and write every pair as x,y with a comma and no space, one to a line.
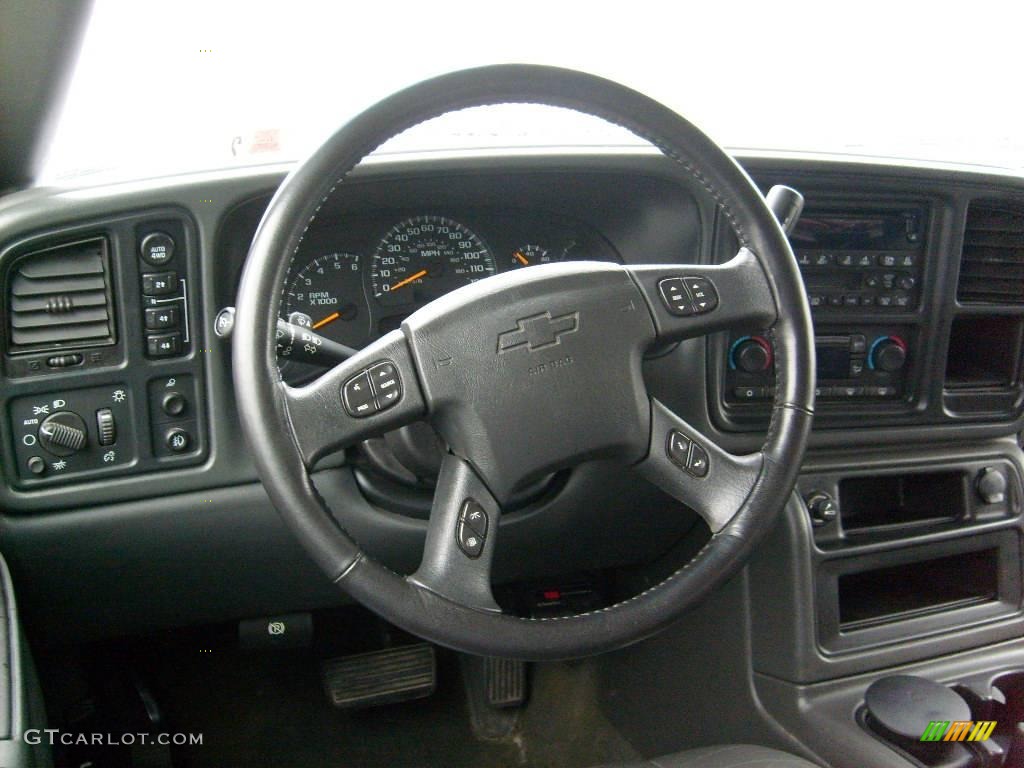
917,588
912,499
984,352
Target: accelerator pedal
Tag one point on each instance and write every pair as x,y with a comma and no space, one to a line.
381,677
506,682
495,692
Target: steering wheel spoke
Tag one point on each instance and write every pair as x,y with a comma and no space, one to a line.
688,300
375,391
697,471
461,537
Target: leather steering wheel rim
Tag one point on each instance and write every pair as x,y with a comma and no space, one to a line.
288,429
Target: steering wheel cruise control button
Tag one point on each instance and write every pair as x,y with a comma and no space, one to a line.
475,517
471,532
684,296
359,396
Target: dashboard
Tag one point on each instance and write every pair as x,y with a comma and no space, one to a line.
106,496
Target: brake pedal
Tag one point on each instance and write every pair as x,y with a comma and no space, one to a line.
381,677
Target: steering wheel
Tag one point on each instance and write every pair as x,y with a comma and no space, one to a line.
524,373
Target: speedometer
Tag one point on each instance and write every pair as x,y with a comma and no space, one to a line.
425,257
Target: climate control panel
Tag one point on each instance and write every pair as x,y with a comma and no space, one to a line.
867,363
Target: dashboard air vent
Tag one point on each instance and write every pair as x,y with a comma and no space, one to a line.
61,297
992,266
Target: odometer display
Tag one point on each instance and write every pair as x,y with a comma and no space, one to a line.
425,257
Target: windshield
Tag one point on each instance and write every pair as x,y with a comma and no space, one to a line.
188,86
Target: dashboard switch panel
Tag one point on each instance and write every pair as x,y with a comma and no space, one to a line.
68,434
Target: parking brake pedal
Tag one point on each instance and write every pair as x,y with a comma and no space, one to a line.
381,677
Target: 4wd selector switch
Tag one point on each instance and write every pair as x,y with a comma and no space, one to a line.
63,433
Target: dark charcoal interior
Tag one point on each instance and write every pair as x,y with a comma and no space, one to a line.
149,585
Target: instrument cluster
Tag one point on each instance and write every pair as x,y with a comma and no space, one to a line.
354,281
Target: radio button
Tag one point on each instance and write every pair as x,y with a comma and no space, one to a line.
815,299
906,260
865,260
867,301
803,258
851,300
902,300
844,259
906,282
835,300
858,344
887,260
824,259
885,300
856,368
872,281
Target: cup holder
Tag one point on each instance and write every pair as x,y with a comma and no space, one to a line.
949,726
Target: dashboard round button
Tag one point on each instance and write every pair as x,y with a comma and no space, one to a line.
177,440
157,248
36,465
174,404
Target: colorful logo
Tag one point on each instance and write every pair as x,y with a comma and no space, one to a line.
958,730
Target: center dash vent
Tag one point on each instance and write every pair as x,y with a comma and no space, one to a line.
992,265
61,297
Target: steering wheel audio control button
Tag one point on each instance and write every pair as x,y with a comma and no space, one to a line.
678,448
702,293
684,296
358,396
687,454
698,462
674,294
386,384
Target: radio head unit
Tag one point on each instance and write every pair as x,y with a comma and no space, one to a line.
869,258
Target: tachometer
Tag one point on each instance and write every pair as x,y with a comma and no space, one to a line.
327,294
425,257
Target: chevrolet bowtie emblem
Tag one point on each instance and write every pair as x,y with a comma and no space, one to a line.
539,331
